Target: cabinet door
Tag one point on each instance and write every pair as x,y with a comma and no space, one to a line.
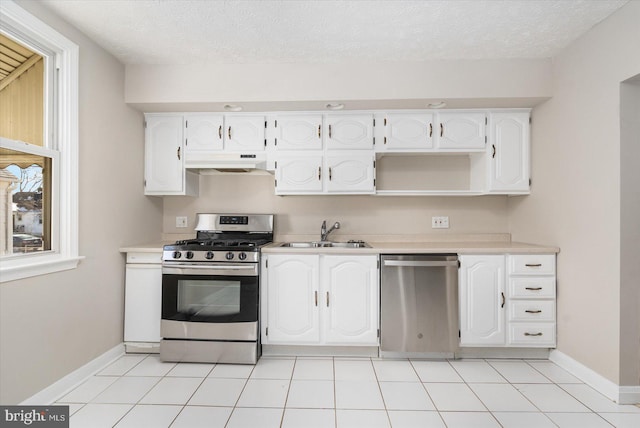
293,299
508,152
460,131
298,132
350,299
408,132
142,302
350,173
244,133
203,133
349,131
482,300
298,175
164,154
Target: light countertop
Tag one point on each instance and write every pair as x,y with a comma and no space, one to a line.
471,246
459,247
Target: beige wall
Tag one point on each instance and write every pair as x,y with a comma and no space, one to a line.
630,232
53,324
576,194
483,83
359,215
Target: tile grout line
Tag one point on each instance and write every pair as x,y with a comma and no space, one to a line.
286,399
192,394
427,392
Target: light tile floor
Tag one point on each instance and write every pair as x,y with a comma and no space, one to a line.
141,391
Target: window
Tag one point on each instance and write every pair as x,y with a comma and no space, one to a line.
38,155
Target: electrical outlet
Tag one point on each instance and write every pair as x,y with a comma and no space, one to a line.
440,222
181,221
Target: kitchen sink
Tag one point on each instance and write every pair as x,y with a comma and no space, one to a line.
326,244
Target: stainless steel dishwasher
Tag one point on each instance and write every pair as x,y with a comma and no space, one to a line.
419,305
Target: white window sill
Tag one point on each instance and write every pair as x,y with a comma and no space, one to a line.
35,266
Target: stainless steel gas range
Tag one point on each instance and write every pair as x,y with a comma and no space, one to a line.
210,289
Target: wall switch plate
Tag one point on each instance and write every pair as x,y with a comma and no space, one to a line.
440,222
181,221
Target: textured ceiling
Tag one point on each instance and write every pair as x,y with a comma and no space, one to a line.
254,31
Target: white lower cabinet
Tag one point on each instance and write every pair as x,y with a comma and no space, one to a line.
507,300
143,298
482,300
321,300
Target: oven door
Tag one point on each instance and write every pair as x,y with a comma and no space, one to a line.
210,302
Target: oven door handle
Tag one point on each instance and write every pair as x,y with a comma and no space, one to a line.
237,270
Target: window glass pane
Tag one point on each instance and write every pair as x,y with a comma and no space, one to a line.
25,202
21,93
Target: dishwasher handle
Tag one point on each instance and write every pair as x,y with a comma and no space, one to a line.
416,263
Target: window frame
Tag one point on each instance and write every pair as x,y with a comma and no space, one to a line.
61,138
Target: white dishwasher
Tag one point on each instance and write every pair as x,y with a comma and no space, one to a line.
418,305
142,302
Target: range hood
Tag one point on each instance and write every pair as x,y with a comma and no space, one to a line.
226,162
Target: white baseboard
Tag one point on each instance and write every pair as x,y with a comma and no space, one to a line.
58,389
619,394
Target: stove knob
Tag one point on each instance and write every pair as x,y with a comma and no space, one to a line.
209,255
177,254
242,256
229,255
189,254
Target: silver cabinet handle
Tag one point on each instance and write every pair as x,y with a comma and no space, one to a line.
327,299
533,334
406,263
530,311
316,293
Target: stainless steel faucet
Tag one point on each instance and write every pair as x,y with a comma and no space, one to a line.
324,233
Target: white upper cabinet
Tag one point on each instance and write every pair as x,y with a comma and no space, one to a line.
297,174
405,131
335,172
433,132
460,131
203,133
350,173
164,172
298,132
508,153
349,131
244,133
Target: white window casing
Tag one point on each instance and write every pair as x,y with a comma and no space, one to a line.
60,141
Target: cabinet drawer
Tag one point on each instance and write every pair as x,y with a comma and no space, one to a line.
145,257
533,287
532,310
532,334
532,264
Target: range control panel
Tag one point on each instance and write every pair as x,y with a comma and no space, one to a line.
228,219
